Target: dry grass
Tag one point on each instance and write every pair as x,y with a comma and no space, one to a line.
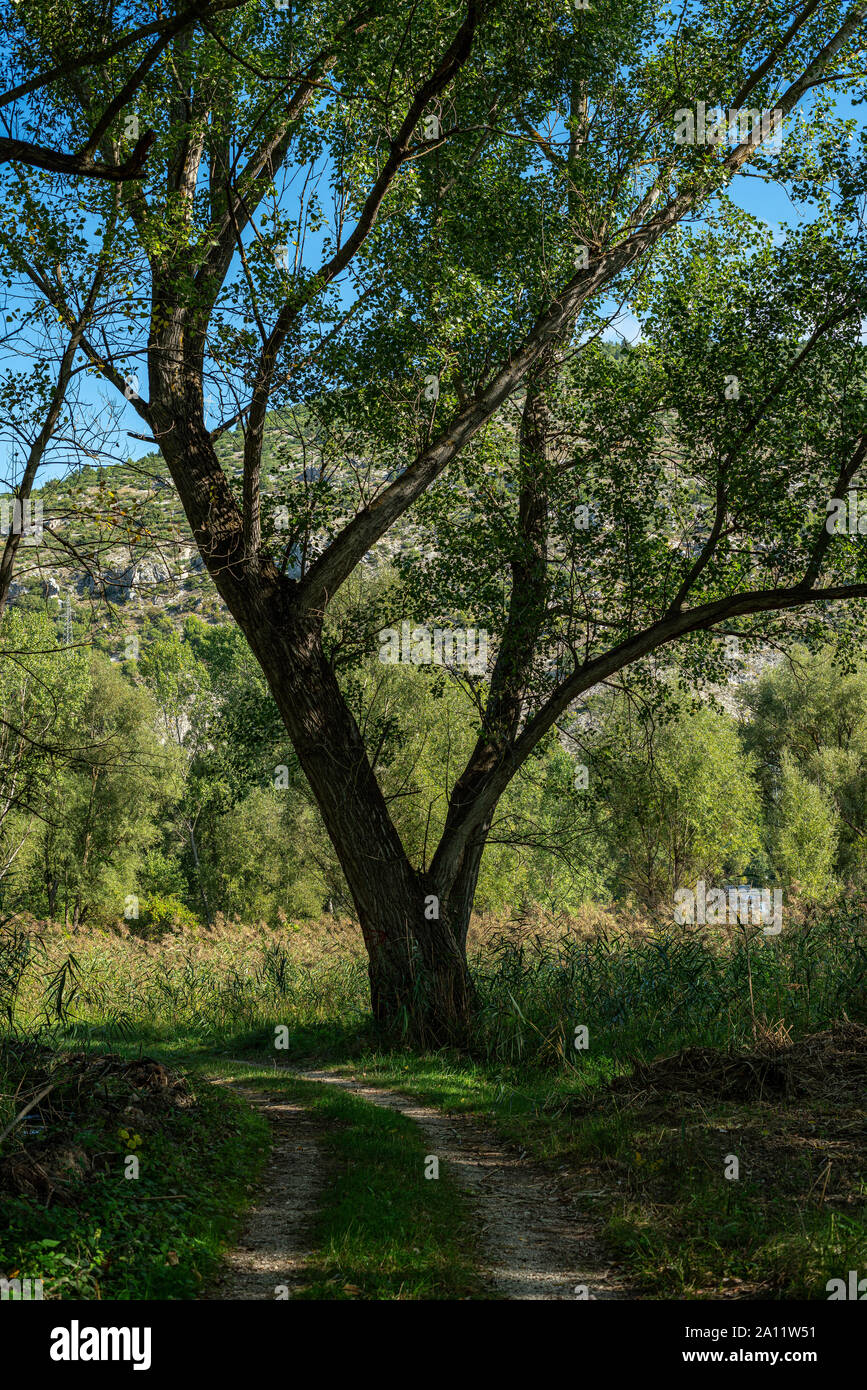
642,987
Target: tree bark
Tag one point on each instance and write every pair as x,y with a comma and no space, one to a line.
417,966
419,981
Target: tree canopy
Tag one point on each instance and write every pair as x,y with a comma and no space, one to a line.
407,232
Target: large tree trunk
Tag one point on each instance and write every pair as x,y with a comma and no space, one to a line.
419,981
462,893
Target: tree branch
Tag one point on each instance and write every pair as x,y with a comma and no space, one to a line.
337,562
82,165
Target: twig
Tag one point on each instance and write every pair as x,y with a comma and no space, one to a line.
20,1116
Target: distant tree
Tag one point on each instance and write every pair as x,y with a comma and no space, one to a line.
42,692
677,797
103,813
808,727
803,839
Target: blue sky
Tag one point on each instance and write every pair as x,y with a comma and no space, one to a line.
767,200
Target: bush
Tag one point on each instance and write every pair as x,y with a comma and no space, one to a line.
165,914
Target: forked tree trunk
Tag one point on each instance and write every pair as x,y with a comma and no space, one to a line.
414,924
419,983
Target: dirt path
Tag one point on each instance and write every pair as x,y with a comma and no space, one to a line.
535,1241
274,1246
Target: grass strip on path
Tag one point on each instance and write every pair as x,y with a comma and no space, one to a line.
383,1230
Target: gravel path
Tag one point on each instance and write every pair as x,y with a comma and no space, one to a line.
274,1248
535,1242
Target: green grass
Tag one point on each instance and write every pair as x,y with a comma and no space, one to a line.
653,1178
158,1237
638,993
653,1174
643,994
382,1230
